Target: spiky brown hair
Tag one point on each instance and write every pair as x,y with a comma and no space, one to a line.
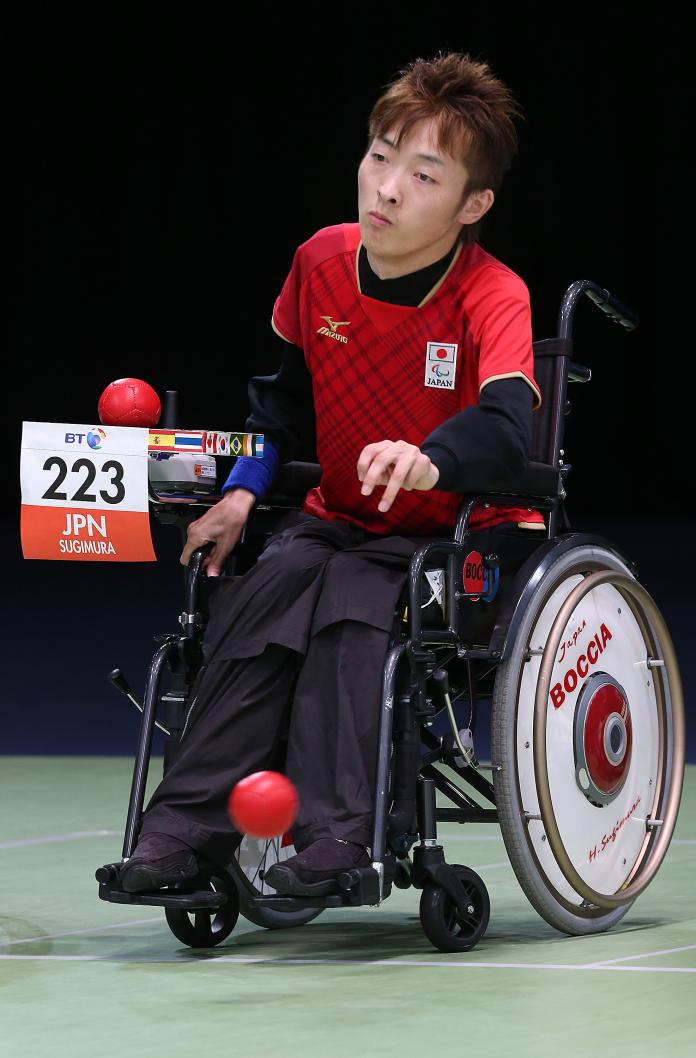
474,114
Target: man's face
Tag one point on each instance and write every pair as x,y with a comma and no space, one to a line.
419,190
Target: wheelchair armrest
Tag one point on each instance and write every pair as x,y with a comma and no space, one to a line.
537,479
292,483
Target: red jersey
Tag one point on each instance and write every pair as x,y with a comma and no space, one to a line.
384,371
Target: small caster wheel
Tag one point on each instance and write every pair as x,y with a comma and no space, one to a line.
205,929
445,926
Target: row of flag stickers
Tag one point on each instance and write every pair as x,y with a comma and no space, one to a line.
210,442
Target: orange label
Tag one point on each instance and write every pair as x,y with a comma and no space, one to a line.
72,534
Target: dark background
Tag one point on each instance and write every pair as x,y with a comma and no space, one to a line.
166,164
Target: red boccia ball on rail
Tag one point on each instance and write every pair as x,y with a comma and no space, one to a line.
264,805
129,402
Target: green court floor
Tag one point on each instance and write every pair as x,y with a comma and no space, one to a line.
83,977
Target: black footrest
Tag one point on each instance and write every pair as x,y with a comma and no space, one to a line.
298,903
202,900
362,884
107,873
348,898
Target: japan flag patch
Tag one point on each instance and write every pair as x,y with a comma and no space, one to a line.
441,365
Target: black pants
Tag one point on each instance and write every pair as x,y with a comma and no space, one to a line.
294,648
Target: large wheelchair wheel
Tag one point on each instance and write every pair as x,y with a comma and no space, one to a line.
252,859
588,734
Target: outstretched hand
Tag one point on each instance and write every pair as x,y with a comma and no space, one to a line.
398,465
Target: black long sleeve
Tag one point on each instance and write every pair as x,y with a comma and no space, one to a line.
486,444
282,406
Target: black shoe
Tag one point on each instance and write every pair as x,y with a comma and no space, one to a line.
315,871
158,860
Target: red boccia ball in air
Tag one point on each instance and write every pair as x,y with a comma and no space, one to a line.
129,402
264,805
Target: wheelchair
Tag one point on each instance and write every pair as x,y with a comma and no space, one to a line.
587,717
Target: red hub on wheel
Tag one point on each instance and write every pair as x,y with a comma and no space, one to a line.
602,738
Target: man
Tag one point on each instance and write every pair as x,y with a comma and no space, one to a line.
407,356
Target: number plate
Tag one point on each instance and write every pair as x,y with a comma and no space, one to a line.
84,493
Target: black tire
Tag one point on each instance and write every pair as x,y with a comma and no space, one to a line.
252,859
205,929
542,894
444,924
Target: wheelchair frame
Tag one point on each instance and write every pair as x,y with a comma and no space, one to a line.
454,903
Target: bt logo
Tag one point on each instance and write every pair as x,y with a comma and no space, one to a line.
94,437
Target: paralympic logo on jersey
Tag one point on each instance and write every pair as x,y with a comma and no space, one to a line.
440,365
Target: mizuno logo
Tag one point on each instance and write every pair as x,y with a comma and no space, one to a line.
331,331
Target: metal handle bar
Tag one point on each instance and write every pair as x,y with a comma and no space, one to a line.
610,306
193,581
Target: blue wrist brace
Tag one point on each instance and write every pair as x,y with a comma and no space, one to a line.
254,474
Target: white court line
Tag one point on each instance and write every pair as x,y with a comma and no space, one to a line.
381,963
53,958
643,955
494,837
449,964
76,835
79,932
607,964
73,835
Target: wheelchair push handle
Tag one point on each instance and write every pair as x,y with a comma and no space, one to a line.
611,306
195,563
190,618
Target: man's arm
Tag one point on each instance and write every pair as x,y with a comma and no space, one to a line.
282,409
484,445
487,443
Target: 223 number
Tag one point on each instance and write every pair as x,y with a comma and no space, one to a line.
82,494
